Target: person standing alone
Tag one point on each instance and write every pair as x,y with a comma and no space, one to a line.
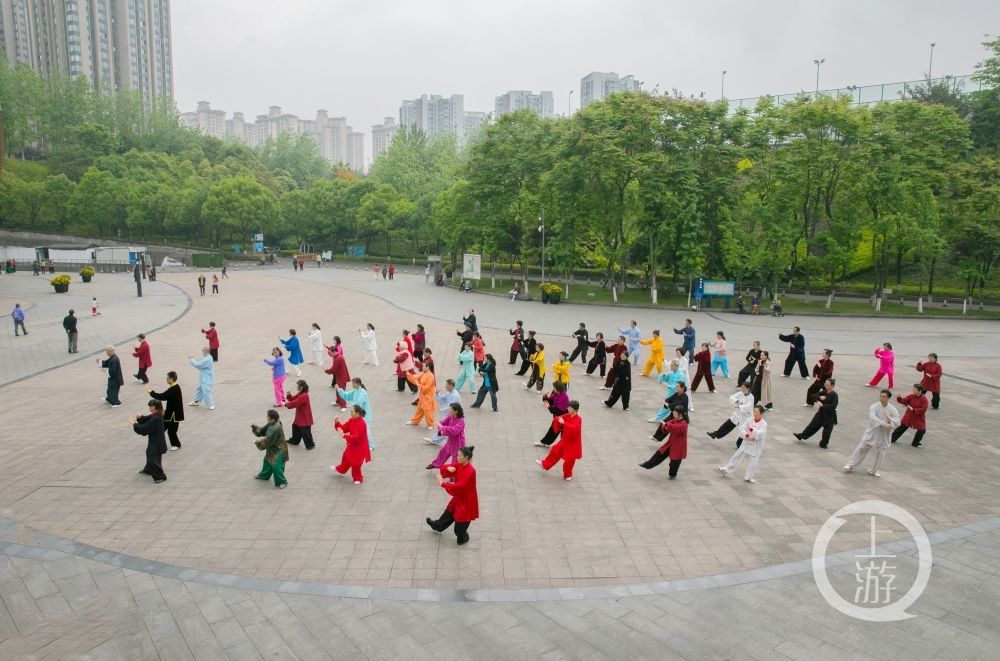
69,325
145,359
18,315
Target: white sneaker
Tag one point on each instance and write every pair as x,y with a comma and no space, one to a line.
652,420
568,478
357,481
652,438
603,388
212,407
342,408
848,468
539,444
173,448
539,462
875,473
807,405
722,469
750,480
114,406
412,424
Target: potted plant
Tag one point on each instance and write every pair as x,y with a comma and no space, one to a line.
87,272
551,292
61,283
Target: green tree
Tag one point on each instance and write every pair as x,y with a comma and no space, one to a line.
239,206
297,155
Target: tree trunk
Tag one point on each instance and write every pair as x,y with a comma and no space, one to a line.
899,265
652,272
930,278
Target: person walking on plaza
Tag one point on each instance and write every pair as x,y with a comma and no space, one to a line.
528,348
517,333
886,365
703,359
145,358
459,480
452,428
340,375
675,448
294,351
932,378
215,285
617,350
796,352
369,345
826,416
689,336
151,426
358,395
206,379
385,271
570,446
316,346
600,358
201,284
761,386
271,439
742,402
466,370
354,431
224,268
95,310
719,359
72,336
822,370
17,314
173,414
392,271
424,380
489,385
302,426
537,369
375,270
632,334
914,416
755,304
655,344
882,419
753,432
747,371
115,379
582,343
621,370
277,364
212,335
557,402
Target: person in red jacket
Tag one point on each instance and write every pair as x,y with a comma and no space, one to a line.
616,351
570,446
704,371
145,359
932,378
913,416
212,336
676,446
357,452
340,375
459,480
822,370
302,426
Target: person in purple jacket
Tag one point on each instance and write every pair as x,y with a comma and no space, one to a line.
557,402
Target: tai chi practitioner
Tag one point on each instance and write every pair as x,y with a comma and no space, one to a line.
719,358
145,359
528,348
294,351
742,402
882,419
339,375
358,395
277,363
302,426
419,340
478,350
517,335
404,367
206,379
678,398
271,439
796,352
424,381
753,432
557,403
913,415
316,346
212,335
151,426
459,480
886,365
675,430
671,378
753,355
444,401
600,358
115,379
703,359
370,346
582,337
355,434
826,416
173,416
560,369
822,370
466,370
453,429
632,334
655,344
537,368
617,351
490,385
932,378
761,387
689,336
570,446
622,388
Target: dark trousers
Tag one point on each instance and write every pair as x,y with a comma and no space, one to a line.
901,429
302,434
617,391
536,380
445,520
791,361
141,375
513,357
550,436
481,397
19,323
171,427
153,467
401,383
525,365
659,434
112,394
935,400
658,459
814,426
724,428
593,365
72,340
708,379
214,353
580,350
745,374
813,391
610,380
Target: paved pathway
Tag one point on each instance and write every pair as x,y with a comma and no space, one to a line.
614,525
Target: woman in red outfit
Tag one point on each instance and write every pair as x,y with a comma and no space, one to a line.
704,360
616,351
357,452
913,416
570,446
302,426
932,378
459,480
340,376
676,447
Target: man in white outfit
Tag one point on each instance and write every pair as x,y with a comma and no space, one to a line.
445,400
751,444
742,402
882,419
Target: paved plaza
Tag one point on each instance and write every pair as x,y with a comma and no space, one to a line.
620,563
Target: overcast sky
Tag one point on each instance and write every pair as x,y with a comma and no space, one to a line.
359,58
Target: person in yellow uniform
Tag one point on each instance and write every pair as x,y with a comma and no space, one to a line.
655,344
537,361
560,369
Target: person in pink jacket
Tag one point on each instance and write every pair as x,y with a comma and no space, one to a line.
886,365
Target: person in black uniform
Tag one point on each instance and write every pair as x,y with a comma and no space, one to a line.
623,383
115,378
796,352
750,368
825,418
582,343
600,355
174,414
527,349
151,426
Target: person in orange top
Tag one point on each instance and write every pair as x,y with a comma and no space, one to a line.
302,426
357,452
459,480
913,416
425,400
478,350
932,378
570,446
676,446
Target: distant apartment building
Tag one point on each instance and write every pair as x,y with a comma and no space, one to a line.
435,115
116,44
474,122
541,103
382,135
356,151
597,85
208,121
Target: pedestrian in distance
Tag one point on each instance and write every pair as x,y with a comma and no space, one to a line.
17,314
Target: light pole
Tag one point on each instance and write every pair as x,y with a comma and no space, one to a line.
569,103
930,65
723,94
817,63
541,228
852,89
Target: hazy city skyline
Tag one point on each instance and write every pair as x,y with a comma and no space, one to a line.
360,60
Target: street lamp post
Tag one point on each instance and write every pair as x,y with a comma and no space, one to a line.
541,228
817,63
722,95
930,65
569,103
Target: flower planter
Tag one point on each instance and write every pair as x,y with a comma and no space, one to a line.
545,297
61,289
554,299
86,278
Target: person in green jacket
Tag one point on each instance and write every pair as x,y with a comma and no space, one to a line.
272,442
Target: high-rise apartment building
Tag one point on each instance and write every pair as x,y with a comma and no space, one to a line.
382,135
116,44
542,103
356,151
474,122
597,85
208,121
435,115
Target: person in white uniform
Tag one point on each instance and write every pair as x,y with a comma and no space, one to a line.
882,419
316,346
742,402
751,444
369,345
